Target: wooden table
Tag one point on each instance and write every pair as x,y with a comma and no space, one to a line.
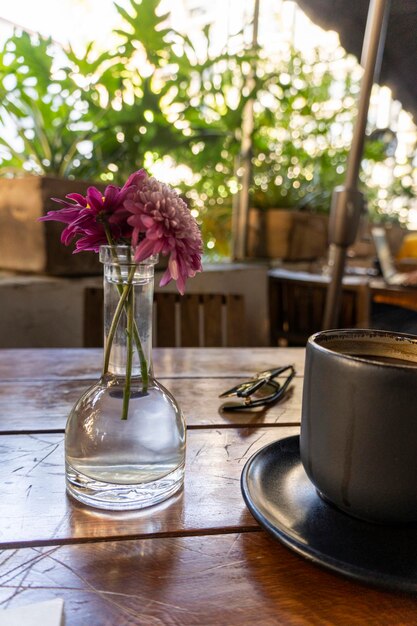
198,559
396,295
297,302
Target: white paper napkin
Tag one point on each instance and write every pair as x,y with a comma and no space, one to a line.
48,613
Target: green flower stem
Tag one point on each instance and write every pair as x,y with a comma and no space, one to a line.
113,250
129,355
116,317
138,343
142,358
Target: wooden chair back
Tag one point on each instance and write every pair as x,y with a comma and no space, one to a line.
297,307
192,320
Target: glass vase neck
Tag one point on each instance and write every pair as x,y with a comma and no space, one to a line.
124,256
128,308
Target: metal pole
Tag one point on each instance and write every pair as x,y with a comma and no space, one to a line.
241,202
347,201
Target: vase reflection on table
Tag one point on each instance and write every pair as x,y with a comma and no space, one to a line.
125,437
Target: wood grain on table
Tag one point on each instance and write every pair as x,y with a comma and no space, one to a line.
198,559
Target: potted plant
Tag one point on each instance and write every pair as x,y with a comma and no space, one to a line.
294,163
77,119
95,116
303,114
300,147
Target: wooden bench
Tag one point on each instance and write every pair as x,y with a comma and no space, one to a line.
192,320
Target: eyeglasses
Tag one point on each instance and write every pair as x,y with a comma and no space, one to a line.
261,390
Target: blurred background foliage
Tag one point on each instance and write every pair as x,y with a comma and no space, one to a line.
160,101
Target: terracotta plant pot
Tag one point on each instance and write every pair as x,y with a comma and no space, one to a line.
287,234
27,245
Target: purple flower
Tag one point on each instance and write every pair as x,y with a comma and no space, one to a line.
163,224
144,212
91,216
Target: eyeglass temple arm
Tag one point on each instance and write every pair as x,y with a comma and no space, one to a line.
281,370
288,380
243,389
246,389
257,384
280,390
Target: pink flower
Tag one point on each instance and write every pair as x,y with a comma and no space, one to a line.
88,217
163,224
144,212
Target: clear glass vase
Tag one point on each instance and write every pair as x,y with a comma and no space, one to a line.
125,437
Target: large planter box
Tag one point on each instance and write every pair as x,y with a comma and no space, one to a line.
27,245
288,235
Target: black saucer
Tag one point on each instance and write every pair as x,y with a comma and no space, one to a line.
283,500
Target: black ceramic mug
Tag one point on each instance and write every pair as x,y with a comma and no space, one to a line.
359,422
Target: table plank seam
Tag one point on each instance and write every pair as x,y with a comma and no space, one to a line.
42,431
29,380
199,532
61,431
